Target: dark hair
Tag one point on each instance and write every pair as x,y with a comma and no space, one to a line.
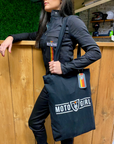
66,10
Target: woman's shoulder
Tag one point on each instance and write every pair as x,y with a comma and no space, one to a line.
74,20
73,16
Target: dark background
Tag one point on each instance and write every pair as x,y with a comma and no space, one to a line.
18,16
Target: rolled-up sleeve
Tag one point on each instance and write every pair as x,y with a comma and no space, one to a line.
79,33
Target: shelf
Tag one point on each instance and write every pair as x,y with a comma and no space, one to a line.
101,36
99,21
91,5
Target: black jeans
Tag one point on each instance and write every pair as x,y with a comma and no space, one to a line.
37,119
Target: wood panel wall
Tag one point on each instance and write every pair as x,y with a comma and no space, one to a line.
21,82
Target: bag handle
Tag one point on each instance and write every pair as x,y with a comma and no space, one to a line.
56,56
79,51
61,34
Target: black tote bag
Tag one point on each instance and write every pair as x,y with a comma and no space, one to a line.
70,105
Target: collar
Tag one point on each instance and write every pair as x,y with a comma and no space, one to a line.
53,17
55,13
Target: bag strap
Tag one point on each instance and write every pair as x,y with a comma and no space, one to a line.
79,51
56,56
61,34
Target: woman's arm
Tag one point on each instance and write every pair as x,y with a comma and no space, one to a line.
24,36
7,43
80,35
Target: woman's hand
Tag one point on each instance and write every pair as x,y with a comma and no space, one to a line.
7,43
55,67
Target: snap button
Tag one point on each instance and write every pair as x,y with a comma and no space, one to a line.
55,12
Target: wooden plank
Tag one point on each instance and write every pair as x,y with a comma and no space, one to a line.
39,71
105,100
84,138
57,142
91,5
101,36
105,44
22,91
99,21
24,42
7,132
31,43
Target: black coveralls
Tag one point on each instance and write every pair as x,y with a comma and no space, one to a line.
75,32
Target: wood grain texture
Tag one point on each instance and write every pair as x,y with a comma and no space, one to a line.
32,43
22,91
105,100
7,131
38,71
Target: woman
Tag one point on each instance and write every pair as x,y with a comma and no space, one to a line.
52,16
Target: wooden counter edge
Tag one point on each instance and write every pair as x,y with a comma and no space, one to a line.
32,43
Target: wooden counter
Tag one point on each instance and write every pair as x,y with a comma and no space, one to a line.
32,43
21,82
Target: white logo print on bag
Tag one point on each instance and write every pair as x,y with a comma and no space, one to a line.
72,105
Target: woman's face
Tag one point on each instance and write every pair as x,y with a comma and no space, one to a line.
50,5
